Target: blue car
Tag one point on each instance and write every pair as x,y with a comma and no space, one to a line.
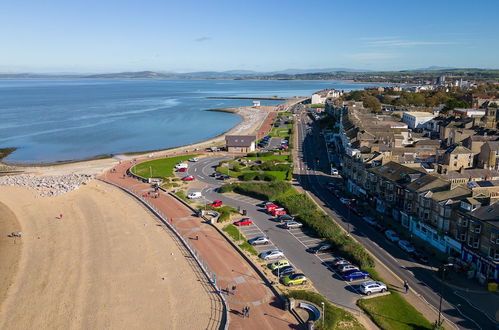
355,275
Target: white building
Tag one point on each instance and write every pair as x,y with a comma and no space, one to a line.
320,97
417,119
256,103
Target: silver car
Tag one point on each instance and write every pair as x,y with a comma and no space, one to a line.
271,254
292,224
259,240
372,287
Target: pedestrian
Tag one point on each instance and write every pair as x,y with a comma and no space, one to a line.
247,311
406,286
60,216
233,290
244,312
197,239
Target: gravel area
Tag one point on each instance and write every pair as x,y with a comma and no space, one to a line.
47,186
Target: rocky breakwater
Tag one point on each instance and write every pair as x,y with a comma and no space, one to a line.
47,185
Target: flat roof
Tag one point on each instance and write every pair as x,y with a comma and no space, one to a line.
420,113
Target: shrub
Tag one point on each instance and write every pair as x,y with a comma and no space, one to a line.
289,175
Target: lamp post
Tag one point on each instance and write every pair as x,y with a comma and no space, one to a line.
323,312
441,290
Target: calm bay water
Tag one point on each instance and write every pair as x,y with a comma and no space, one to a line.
51,120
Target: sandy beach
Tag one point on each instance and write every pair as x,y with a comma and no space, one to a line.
107,263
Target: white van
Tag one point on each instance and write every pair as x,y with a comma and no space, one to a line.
196,194
181,165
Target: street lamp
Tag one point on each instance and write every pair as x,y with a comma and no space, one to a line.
441,291
323,312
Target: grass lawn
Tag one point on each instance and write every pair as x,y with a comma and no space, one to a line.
335,317
281,158
159,168
280,132
393,312
280,175
236,235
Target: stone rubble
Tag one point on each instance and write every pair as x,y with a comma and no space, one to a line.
47,186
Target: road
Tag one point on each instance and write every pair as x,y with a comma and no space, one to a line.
313,166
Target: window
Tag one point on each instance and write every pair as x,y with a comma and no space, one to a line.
447,212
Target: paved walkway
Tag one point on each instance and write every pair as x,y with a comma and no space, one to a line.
231,269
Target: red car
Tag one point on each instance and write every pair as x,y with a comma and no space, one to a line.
243,222
279,211
183,169
271,207
216,203
188,178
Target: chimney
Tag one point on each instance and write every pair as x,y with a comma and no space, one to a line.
461,170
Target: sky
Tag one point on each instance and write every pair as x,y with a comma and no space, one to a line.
45,36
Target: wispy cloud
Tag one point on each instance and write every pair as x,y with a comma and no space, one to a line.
202,39
369,56
400,42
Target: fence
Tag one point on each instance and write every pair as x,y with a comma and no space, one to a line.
211,276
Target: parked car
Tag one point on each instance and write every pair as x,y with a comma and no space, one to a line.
344,200
216,203
271,207
379,227
193,160
196,194
278,264
292,224
406,246
188,178
181,165
354,275
278,211
321,247
271,254
370,220
181,170
243,222
420,257
372,287
223,177
347,267
338,262
284,217
259,240
392,236
284,271
295,279
215,174
334,171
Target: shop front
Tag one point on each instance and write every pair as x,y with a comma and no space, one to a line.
486,270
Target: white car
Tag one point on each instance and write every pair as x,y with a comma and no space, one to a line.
271,254
292,224
372,287
344,200
347,267
334,171
370,220
259,240
195,159
195,194
392,236
406,246
181,165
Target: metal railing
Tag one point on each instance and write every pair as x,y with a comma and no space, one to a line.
210,275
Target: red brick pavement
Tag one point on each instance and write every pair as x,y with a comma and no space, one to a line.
230,268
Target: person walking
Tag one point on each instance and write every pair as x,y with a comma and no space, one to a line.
244,312
233,290
406,286
60,216
247,311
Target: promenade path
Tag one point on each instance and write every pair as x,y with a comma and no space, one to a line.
231,269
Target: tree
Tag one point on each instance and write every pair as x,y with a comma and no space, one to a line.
372,103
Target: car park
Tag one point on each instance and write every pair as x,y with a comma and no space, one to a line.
354,275
278,211
321,247
370,287
406,246
216,203
370,220
347,267
292,224
271,254
194,195
338,262
344,200
284,217
284,271
259,240
271,207
188,178
243,222
392,236
294,279
278,264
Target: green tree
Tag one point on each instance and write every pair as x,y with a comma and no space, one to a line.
372,103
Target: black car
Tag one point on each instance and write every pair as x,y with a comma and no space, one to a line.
214,174
321,247
284,271
285,217
223,177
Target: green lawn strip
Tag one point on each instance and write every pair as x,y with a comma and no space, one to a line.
279,175
180,194
236,235
307,212
159,168
393,312
334,317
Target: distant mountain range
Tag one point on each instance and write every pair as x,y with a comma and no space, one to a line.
291,74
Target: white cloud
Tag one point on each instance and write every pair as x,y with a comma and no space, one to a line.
399,42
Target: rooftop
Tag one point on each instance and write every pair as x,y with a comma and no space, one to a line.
473,173
489,214
420,114
239,140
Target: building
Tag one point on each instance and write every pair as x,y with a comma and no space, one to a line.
320,97
489,155
240,143
468,113
256,103
417,119
455,158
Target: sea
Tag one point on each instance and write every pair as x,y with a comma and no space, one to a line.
53,120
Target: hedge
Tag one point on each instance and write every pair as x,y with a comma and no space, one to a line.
307,212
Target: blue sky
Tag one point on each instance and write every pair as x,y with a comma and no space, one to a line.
109,35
